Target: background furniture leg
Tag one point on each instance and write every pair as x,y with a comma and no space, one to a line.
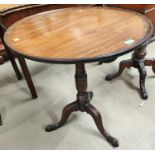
10,56
138,61
150,62
123,64
142,77
27,77
1,60
0,120
14,65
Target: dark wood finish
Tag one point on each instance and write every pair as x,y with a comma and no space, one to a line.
4,54
138,61
27,77
10,56
79,34
0,120
1,60
83,104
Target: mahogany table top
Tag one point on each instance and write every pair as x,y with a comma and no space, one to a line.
78,34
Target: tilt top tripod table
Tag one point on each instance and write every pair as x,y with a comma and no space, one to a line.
78,36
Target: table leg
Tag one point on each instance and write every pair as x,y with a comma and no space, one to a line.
82,104
1,60
10,55
123,64
27,77
0,120
138,61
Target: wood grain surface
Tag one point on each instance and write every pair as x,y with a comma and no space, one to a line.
78,34
3,7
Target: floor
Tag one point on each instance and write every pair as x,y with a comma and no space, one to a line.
125,115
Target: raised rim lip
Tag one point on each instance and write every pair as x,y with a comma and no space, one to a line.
104,57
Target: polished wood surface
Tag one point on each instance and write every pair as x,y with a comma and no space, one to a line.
78,34
11,13
4,7
146,9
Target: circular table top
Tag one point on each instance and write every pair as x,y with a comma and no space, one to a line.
78,34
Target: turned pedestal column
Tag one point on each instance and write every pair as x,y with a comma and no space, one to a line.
83,104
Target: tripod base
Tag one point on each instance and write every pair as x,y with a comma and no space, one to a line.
138,61
83,104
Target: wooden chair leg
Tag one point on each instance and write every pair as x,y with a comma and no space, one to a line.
0,120
1,60
10,56
14,65
27,76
